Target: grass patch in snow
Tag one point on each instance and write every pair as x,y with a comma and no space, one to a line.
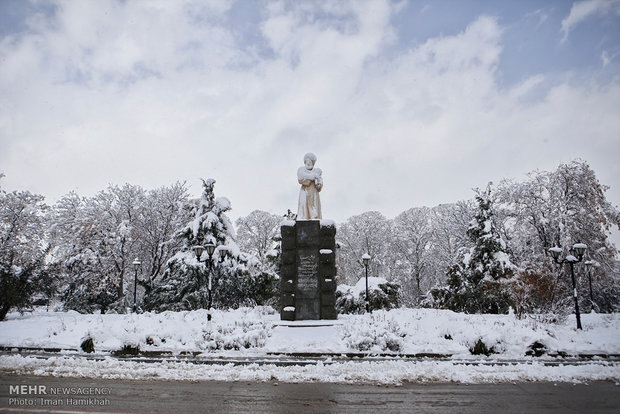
127,350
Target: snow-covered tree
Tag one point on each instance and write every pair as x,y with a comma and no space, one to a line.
258,233
423,244
479,281
236,277
367,233
166,209
23,268
560,208
95,240
450,223
414,250
411,246
381,295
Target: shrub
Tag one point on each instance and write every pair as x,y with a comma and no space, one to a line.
536,349
242,334
378,334
88,345
480,348
127,350
382,295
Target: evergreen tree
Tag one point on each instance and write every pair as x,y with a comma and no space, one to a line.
478,283
381,295
236,276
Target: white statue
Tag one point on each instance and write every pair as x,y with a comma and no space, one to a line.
309,206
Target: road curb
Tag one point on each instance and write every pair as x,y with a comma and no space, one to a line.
557,357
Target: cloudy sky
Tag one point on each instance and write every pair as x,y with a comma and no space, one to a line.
405,103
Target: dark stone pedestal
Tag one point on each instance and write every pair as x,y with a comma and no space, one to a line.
307,279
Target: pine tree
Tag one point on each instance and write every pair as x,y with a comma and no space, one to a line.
478,283
236,278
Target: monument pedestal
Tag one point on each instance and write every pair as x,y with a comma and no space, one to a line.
308,271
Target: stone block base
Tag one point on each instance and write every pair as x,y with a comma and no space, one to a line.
308,271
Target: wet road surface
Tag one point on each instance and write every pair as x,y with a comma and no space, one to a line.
41,394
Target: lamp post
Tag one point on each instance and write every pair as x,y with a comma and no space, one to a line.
366,261
589,264
136,264
210,248
579,250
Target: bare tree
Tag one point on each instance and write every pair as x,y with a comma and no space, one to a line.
370,233
257,233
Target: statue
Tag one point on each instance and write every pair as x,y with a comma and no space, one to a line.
308,259
309,206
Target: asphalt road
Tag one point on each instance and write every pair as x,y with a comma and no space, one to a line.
241,397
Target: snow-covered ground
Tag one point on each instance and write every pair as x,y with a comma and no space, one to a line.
255,332
259,330
377,372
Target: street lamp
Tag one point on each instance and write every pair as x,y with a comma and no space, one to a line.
366,261
579,249
136,264
198,251
589,264
210,248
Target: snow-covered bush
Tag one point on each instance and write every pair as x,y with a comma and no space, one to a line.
375,333
536,349
480,348
237,335
23,268
249,329
381,293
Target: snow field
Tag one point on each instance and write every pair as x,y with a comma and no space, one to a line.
385,372
259,330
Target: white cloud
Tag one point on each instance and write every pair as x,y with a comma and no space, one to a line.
581,10
133,92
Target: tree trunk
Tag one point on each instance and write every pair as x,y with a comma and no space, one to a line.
3,311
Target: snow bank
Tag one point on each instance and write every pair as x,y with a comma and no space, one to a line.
447,332
167,331
386,372
256,330
317,339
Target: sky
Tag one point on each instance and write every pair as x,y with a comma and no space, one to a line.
405,103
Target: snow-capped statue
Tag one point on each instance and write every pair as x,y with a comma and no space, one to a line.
309,206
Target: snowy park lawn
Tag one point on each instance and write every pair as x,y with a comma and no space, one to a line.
257,331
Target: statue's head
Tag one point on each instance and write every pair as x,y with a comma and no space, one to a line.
309,160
